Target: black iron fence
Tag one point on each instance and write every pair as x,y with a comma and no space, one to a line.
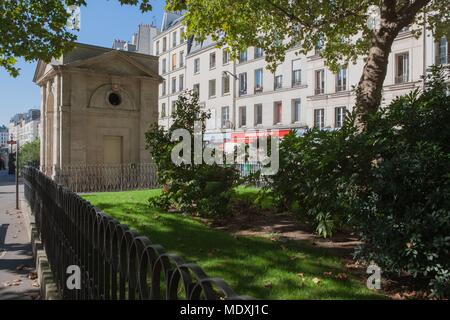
105,177
115,262
121,177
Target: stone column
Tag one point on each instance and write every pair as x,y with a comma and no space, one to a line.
64,120
56,122
49,101
42,130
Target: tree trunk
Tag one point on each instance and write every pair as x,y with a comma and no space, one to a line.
369,91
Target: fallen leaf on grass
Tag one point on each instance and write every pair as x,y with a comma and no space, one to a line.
301,275
342,276
352,265
16,282
32,275
316,281
328,274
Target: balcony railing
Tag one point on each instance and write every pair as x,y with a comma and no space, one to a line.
296,83
401,79
341,88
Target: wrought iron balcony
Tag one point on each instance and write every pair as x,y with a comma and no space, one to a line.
319,91
341,88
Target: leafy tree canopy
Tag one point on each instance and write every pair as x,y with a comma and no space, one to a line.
30,153
37,29
281,25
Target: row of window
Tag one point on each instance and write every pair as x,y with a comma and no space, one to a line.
259,53
243,121
177,38
319,115
174,65
173,88
213,60
341,82
401,75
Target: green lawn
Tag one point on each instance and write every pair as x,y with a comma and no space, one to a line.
253,266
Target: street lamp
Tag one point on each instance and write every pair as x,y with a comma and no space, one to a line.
225,73
16,167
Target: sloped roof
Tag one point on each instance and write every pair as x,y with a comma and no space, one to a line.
171,19
87,55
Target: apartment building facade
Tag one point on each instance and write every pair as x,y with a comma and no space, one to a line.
24,127
4,136
171,48
244,97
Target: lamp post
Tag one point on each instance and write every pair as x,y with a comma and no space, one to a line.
11,136
12,142
17,175
236,79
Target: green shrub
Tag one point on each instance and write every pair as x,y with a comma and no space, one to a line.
191,188
390,182
402,210
311,181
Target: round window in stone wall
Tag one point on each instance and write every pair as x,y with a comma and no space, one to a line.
114,99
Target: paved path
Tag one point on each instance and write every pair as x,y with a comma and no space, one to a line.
16,263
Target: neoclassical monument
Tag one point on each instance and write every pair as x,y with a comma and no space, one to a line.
96,105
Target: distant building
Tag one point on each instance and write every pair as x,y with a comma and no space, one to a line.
4,136
24,127
141,42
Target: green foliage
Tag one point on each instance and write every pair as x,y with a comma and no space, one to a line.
30,154
312,177
192,188
37,29
284,24
391,182
402,208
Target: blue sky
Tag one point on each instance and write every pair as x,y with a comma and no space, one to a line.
102,21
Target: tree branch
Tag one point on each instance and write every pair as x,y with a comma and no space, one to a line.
335,19
409,12
286,12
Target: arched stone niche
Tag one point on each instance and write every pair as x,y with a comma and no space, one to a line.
112,96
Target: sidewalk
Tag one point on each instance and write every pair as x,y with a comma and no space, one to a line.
16,262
